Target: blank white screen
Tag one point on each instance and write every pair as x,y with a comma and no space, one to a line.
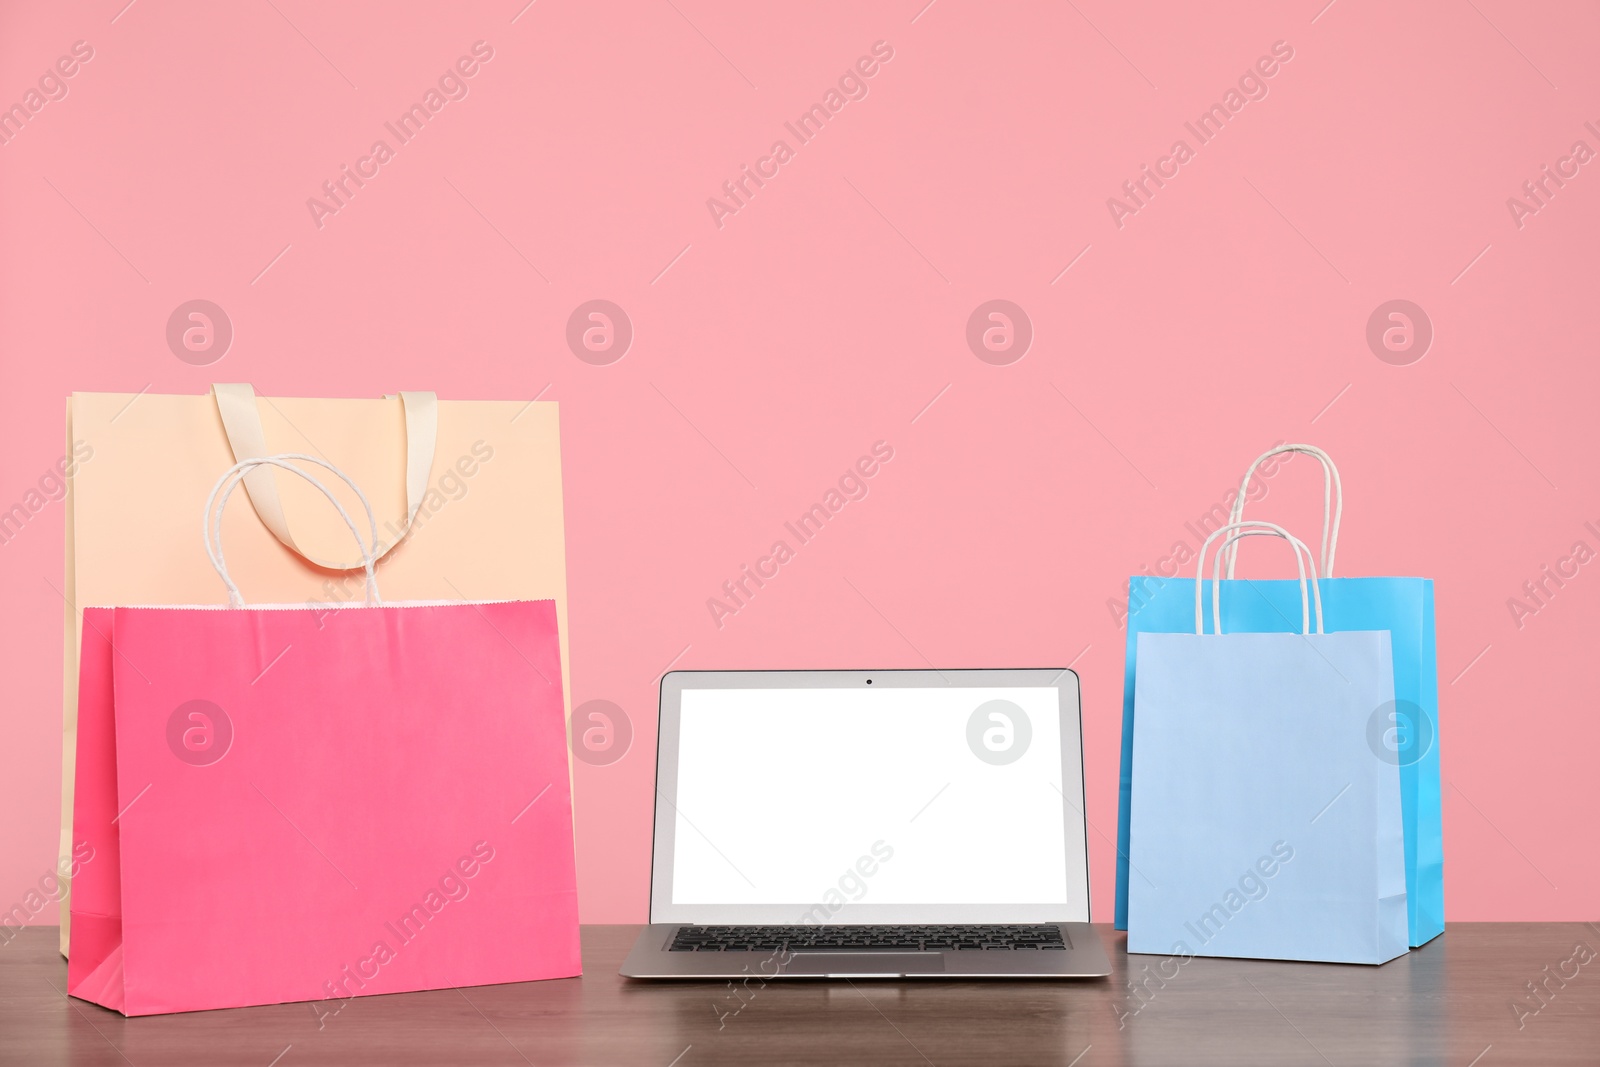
781,792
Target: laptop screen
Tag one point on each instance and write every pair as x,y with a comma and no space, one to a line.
849,803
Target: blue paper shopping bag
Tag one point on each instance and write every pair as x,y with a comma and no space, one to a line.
1263,825
1405,732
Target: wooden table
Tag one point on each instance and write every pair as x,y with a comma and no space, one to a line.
1451,1002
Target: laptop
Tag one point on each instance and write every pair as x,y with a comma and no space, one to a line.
869,824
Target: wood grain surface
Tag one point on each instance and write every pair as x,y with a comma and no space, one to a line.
1455,1001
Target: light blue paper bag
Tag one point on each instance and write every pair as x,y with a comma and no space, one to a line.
1263,825
1405,733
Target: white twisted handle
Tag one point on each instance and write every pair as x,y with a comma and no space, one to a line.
231,479
1254,528
1332,502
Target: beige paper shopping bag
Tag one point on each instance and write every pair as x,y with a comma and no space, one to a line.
467,496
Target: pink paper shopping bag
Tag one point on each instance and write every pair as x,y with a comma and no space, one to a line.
313,803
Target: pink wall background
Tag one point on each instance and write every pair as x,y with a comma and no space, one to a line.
830,312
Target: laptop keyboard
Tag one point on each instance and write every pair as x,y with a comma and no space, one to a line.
868,938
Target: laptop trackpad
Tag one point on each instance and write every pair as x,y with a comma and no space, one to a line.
858,964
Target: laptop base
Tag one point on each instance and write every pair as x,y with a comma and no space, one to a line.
1085,957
